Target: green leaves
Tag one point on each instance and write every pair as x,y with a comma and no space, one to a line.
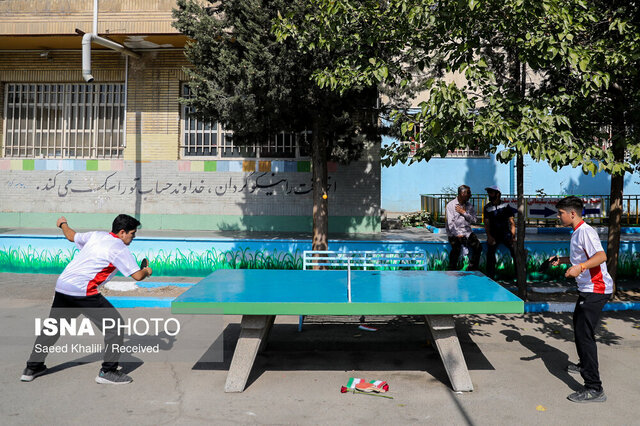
584,64
254,74
581,61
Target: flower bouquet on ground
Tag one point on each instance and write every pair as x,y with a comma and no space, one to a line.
372,387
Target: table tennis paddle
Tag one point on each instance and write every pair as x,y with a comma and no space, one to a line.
144,263
545,265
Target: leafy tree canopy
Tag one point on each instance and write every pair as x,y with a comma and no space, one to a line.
580,59
243,78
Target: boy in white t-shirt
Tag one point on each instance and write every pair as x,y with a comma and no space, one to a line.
101,253
588,266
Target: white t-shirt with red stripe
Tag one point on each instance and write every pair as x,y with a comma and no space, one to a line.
101,253
585,243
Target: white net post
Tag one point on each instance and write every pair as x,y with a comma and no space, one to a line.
349,280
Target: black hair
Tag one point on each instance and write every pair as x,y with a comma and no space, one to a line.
126,222
571,203
462,189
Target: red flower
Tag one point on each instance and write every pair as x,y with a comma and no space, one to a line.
343,389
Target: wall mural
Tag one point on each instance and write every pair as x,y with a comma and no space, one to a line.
267,181
198,258
225,192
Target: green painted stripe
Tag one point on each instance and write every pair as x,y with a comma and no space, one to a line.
434,308
338,224
92,165
28,164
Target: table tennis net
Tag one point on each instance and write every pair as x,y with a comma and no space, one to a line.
364,260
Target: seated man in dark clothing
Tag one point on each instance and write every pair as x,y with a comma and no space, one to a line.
500,228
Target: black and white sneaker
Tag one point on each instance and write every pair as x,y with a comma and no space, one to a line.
574,368
587,395
113,378
29,374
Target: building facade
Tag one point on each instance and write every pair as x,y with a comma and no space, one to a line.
124,144
401,185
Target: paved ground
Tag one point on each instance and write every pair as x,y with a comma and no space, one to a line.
516,364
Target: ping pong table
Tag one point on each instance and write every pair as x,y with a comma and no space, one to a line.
260,295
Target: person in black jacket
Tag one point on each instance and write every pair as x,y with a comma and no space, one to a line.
499,226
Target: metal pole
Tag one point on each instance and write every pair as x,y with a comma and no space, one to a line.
126,90
349,280
95,17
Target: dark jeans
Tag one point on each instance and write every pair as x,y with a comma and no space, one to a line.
96,308
585,321
507,240
475,249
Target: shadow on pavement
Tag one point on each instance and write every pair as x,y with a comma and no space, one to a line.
395,346
128,362
554,359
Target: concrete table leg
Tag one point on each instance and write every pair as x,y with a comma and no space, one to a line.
267,333
444,335
253,331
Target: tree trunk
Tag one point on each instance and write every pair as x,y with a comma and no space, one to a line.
521,254
320,203
615,216
520,74
615,197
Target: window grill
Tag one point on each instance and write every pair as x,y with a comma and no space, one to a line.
458,153
207,139
64,120
469,152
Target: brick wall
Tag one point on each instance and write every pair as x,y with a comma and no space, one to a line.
153,111
162,188
63,16
150,179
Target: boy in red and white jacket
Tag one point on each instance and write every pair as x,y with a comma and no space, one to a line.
588,266
101,254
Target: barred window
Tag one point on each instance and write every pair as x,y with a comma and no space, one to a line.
64,120
467,152
607,144
415,143
458,153
206,139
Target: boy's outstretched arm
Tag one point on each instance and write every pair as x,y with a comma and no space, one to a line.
66,230
142,273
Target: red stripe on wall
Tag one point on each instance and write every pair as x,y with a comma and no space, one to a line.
92,287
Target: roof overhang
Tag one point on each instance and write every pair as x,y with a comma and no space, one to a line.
71,42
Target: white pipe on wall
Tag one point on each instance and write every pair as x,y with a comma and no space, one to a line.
88,38
86,58
95,17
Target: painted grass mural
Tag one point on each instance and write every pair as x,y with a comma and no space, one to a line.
193,264
164,262
31,260
199,264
